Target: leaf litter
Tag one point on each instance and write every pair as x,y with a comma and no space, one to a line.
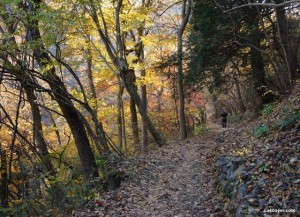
181,178
170,181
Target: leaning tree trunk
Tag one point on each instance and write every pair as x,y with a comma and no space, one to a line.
75,123
92,91
63,99
27,82
127,77
38,130
118,58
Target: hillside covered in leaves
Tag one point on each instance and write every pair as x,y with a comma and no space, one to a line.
269,148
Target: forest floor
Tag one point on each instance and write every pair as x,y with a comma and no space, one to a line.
181,178
171,181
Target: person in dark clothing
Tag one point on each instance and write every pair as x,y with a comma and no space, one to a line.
224,115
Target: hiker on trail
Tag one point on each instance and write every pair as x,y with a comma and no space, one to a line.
224,115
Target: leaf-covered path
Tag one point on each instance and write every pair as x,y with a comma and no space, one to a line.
183,179
172,181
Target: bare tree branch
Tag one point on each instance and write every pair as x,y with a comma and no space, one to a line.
272,5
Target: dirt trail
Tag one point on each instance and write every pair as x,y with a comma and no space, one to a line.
172,181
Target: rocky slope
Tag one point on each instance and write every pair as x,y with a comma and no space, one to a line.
263,177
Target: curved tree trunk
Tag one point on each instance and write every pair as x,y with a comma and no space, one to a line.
27,83
38,130
62,97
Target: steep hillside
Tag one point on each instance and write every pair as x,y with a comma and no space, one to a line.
267,154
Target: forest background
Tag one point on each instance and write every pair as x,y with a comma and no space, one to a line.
85,84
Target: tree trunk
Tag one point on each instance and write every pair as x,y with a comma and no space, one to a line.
62,97
127,77
4,178
186,9
144,124
119,117
92,92
181,112
239,95
124,130
134,123
117,55
159,99
76,125
38,130
257,63
100,134
134,119
285,37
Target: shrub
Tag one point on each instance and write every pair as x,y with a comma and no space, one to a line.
200,130
289,121
261,130
237,118
6,211
267,109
